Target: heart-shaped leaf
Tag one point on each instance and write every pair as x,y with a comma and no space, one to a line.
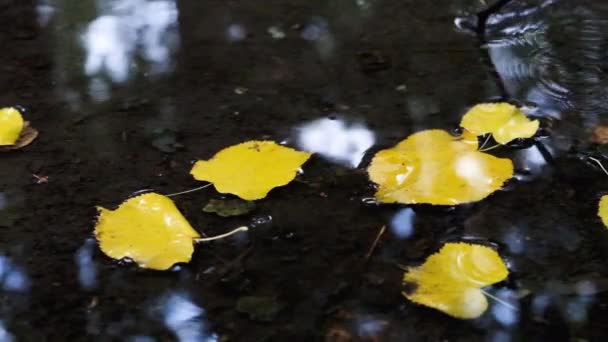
149,229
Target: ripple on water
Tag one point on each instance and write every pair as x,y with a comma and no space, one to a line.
553,53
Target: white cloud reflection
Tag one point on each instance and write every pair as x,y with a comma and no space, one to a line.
336,141
13,277
129,28
87,271
185,319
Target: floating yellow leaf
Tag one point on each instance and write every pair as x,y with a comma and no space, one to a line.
451,280
11,125
505,121
603,210
435,168
251,169
149,229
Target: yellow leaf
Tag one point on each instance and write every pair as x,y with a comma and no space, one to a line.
250,169
435,168
149,229
11,125
603,210
450,280
505,121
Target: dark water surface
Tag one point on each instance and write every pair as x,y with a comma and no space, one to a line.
127,94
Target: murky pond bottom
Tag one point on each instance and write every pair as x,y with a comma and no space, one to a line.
128,94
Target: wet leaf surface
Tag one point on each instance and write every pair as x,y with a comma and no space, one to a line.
251,169
147,229
435,168
450,280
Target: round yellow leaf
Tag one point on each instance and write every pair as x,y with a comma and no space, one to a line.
603,210
250,169
11,125
435,168
505,121
450,280
149,229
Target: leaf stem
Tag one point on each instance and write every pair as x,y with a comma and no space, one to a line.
189,191
217,237
600,164
510,306
485,142
489,148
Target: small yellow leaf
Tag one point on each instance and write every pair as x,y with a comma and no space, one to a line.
505,121
250,169
11,125
603,210
149,229
450,280
435,168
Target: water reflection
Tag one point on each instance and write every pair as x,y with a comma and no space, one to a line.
87,270
5,335
13,277
552,53
335,140
129,29
402,224
186,319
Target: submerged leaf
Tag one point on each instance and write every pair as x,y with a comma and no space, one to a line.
603,210
435,168
250,169
261,309
11,125
450,280
505,121
149,229
229,207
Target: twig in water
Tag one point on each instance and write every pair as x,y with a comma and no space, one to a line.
375,243
189,191
600,164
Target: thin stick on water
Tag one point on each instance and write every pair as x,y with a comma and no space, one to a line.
189,191
510,306
600,164
217,237
375,243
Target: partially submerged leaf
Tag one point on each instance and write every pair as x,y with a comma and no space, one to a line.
229,207
149,229
14,132
262,309
603,210
450,280
503,120
11,125
250,169
435,168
